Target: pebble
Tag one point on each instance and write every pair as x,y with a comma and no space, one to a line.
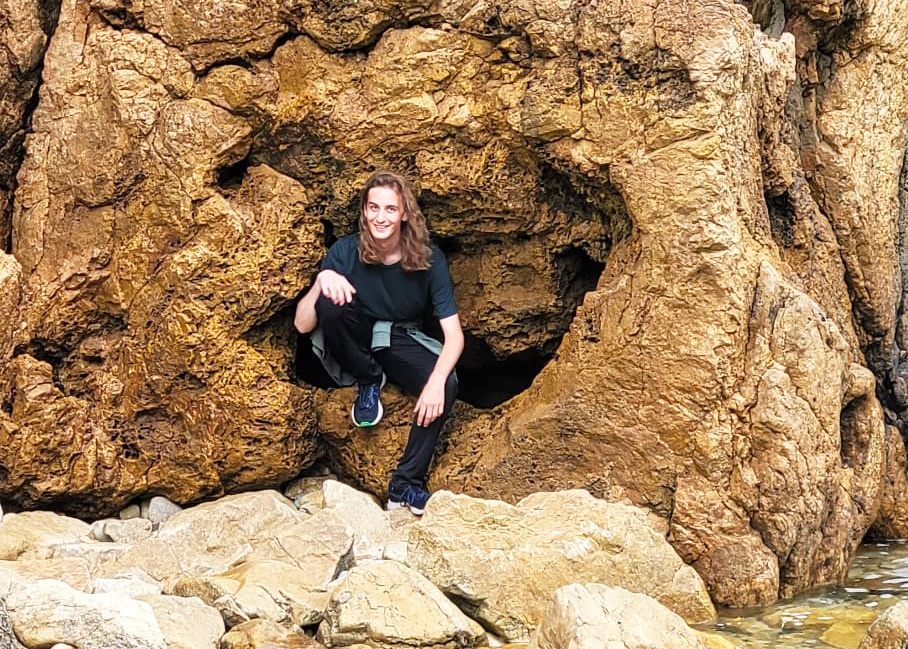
130,511
158,509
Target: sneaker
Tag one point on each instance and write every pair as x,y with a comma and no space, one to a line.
367,409
408,495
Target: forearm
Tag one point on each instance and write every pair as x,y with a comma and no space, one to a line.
306,319
447,359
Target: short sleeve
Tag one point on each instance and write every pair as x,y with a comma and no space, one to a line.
340,257
440,287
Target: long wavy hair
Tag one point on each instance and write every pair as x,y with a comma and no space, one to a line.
415,252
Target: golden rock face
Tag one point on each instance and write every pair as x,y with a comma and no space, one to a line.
641,194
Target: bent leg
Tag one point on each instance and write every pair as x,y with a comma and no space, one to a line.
348,337
409,364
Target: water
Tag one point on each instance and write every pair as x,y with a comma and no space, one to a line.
832,618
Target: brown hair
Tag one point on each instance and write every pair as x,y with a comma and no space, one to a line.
414,233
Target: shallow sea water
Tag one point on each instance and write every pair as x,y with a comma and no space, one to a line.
836,617
828,618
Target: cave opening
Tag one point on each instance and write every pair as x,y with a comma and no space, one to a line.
781,218
231,176
486,379
583,219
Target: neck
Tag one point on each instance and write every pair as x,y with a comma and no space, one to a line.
389,250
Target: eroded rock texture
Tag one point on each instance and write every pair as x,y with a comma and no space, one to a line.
692,223
23,24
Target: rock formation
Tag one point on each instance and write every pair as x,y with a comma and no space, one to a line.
24,29
591,616
689,213
506,564
889,631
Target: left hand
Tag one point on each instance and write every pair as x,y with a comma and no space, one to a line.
431,402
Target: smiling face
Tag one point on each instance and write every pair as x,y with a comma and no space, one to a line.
384,213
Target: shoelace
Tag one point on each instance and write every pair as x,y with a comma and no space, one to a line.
369,395
413,494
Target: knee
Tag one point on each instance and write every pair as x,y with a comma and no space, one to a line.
328,312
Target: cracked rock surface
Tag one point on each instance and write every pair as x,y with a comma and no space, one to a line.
592,616
507,562
385,604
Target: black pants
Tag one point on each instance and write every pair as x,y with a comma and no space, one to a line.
348,337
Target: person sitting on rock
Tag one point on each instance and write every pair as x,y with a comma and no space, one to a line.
365,311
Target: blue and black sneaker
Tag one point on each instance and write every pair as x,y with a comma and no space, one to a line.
367,409
408,495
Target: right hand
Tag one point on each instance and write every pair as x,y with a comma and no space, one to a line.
335,287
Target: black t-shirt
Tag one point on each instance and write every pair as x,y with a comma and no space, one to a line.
390,292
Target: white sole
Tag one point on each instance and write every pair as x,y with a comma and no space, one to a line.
381,413
391,506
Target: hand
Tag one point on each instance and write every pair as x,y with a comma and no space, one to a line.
431,402
335,287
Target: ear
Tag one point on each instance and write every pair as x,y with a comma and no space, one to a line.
405,217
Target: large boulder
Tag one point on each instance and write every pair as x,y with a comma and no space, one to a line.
47,612
385,604
8,639
33,535
272,590
185,622
77,572
595,616
890,630
212,537
503,563
265,634
143,287
892,521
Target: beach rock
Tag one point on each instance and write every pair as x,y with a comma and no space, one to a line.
48,611
272,590
503,563
94,552
143,158
212,537
306,493
8,639
265,634
186,622
22,44
385,604
890,630
77,572
130,512
367,519
10,287
892,520
593,616
206,32
158,509
129,531
34,535
131,587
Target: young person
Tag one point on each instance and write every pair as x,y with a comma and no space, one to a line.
365,311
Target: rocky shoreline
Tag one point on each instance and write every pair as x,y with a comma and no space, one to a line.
323,565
